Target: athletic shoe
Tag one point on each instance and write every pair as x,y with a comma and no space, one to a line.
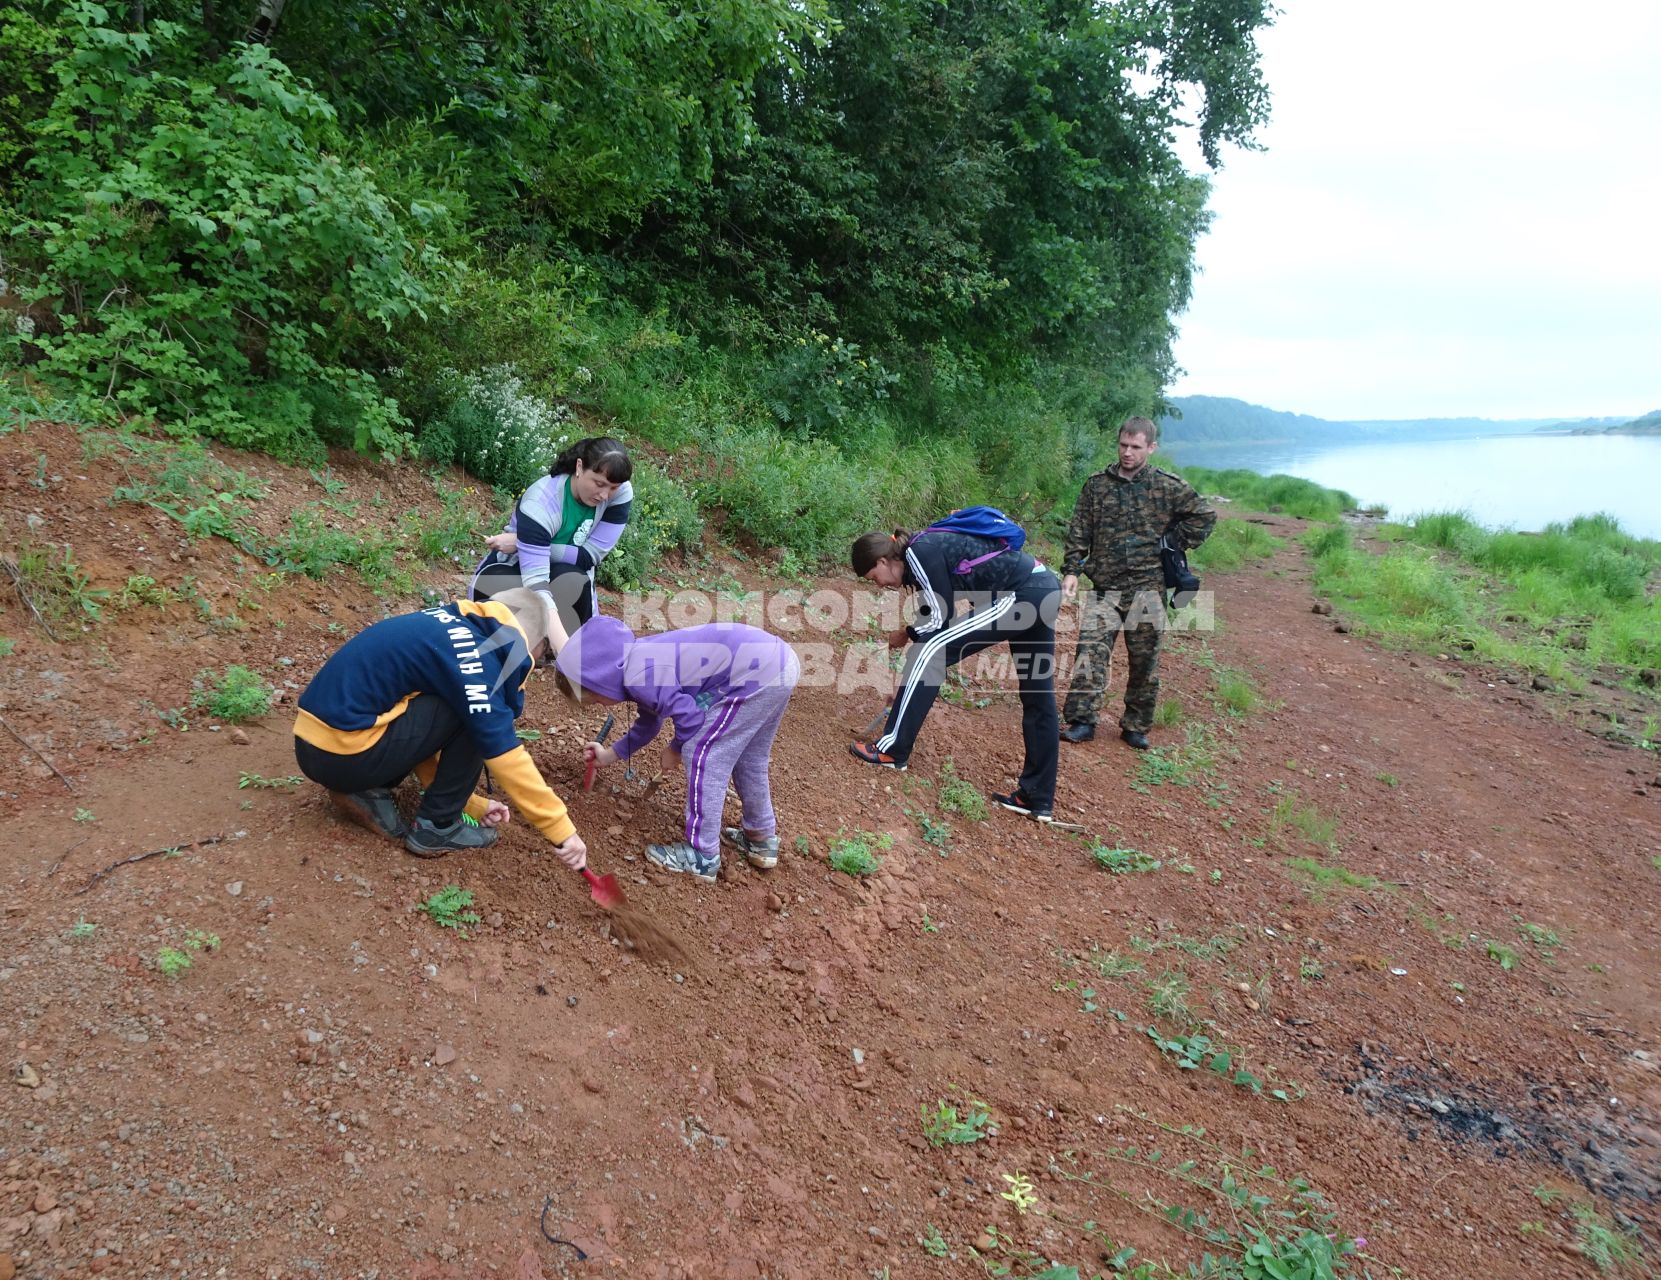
1017,802
758,853
1078,731
1135,739
374,810
882,760
428,841
682,857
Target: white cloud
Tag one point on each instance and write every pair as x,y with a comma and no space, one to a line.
1455,215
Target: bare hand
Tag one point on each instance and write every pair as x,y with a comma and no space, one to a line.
595,754
505,543
671,759
1069,587
496,814
573,853
898,639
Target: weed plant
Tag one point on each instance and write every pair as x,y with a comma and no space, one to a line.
1233,544
959,796
450,908
235,696
856,855
944,1125
1122,861
1323,876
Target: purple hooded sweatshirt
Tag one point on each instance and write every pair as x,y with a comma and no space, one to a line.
677,674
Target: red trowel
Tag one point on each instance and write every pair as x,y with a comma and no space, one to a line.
605,890
605,732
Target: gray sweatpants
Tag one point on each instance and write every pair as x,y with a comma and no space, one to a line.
736,744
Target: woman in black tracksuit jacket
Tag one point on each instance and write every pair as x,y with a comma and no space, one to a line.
1013,597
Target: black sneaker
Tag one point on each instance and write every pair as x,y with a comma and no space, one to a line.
1017,802
374,810
428,841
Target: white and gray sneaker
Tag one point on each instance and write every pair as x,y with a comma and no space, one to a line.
682,857
763,854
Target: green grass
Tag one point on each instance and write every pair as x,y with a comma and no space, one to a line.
1232,544
1324,876
1168,714
1545,603
1305,820
1288,495
1610,1246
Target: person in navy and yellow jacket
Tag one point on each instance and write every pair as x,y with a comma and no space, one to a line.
436,693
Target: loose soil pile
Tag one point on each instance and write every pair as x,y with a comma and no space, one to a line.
338,1087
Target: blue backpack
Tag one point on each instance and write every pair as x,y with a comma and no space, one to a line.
981,522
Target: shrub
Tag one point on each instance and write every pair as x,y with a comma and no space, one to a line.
201,246
664,518
854,856
235,696
498,429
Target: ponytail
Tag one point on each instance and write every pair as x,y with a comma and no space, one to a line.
604,454
870,547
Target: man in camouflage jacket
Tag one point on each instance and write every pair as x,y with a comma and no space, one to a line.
1114,538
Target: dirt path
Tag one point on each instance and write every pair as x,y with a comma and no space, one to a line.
341,1088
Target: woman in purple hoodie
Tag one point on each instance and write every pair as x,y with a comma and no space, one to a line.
725,686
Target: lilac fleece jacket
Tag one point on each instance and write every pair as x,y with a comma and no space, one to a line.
676,675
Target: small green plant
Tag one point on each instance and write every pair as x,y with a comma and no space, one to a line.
56,586
1607,1244
1502,955
236,695
1531,1229
934,1244
959,796
8,646
938,834
142,589
449,908
1019,1191
855,855
1168,714
1389,779
1122,861
528,735
1310,970
1216,876
85,815
171,962
929,925
82,929
1168,997
1546,1195
945,1126
1110,964
246,779
1306,820
1324,876
1544,940
175,718
1193,1051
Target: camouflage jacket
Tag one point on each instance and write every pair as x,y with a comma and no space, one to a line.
1114,535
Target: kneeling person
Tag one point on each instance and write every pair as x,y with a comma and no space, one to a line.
436,693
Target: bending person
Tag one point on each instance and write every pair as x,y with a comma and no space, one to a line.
1012,597
562,527
436,693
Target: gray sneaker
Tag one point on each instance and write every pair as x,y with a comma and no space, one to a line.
428,841
374,810
682,857
758,853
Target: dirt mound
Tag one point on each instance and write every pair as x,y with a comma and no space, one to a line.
1392,889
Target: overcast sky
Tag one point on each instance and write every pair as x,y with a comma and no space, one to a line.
1457,214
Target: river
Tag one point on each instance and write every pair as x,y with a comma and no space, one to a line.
1519,482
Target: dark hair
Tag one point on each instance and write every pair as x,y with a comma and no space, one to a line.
868,548
562,682
604,454
1147,428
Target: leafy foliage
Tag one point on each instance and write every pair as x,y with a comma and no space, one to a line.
450,908
236,695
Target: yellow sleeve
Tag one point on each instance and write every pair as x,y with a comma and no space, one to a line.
518,774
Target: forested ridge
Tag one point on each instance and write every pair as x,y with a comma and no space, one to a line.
865,257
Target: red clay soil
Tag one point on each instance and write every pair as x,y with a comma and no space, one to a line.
341,1088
